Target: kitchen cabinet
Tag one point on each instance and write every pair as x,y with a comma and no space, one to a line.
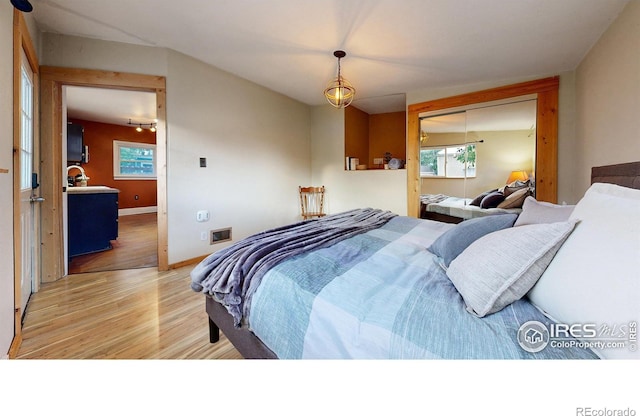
75,144
92,219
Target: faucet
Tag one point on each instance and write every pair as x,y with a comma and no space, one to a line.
84,177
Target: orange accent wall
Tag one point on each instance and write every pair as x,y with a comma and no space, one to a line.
356,134
369,136
387,133
99,137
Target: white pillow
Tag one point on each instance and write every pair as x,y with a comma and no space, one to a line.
501,267
595,277
537,212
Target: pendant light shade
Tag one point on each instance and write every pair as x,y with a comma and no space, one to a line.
339,91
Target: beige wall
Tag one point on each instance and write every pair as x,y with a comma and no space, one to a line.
78,52
384,189
257,145
608,98
256,141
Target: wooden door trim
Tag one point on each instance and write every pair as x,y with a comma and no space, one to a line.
52,81
545,89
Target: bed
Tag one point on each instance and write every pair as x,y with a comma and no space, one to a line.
407,288
507,199
439,207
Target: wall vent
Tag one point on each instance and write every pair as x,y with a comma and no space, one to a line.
219,236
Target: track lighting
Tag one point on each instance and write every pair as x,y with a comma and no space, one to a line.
141,126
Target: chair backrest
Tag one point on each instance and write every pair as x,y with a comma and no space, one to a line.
311,201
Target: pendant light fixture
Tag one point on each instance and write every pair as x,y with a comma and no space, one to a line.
339,91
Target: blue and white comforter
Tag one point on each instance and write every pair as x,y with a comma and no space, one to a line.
232,274
381,295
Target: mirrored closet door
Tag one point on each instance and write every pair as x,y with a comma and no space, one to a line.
466,154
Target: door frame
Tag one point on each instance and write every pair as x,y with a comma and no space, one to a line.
52,79
21,41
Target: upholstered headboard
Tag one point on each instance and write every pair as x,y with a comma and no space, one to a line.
624,174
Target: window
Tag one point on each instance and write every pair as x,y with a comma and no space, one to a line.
134,160
448,162
26,126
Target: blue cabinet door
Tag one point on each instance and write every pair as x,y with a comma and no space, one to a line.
93,222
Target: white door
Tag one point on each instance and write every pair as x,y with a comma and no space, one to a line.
29,202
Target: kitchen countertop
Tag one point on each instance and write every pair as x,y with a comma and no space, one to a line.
92,190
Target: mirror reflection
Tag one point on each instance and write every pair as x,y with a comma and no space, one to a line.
473,161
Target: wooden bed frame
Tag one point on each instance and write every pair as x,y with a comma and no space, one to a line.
250,346
247,344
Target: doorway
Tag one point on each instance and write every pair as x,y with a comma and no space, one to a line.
54,170
102,124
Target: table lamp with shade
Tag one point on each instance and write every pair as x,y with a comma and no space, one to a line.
518,175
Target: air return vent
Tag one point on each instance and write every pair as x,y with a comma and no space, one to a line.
221,235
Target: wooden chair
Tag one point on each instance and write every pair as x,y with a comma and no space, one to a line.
312,202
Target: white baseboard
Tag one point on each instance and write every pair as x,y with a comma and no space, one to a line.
138,210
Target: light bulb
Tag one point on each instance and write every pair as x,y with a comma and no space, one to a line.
139,129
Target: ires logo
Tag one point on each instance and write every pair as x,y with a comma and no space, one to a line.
574,331
534,336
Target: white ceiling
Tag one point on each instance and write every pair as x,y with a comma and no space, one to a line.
392,46
111,106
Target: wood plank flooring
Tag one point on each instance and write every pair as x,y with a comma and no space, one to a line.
125,314
136,247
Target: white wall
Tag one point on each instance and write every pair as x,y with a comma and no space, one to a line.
608,98
6,179
384,189
256,141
